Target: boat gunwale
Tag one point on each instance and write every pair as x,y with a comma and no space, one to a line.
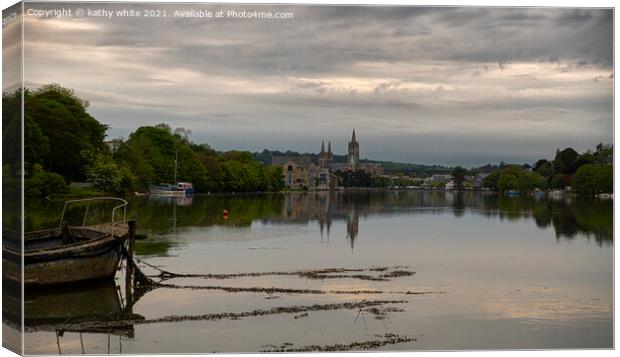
102,239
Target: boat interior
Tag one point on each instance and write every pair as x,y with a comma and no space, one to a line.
60,237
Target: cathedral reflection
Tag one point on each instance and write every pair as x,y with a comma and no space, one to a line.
353,223
324,208
568,217
338,213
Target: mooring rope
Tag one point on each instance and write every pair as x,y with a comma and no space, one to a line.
145,281
319,274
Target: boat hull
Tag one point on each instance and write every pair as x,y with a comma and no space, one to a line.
94,259
175,193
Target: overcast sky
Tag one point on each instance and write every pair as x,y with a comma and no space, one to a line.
464,86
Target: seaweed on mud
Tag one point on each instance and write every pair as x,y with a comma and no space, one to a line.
277,347
398,274
383,340
296,309
146,282
381,313
292,291
316,274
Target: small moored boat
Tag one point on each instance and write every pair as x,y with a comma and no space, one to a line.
181,189
165,189
66,254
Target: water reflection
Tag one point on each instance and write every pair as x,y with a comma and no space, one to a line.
483,250
570,217
93,308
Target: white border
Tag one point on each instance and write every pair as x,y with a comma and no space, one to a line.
522,3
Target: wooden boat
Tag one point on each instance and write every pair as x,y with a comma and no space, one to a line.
66,254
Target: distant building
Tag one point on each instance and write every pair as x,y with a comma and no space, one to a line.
299,172
326,179
353,154
353,160
440,178
304,172
478,180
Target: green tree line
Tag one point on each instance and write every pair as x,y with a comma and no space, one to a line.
63,143
590,172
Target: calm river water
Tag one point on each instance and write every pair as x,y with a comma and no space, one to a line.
412,270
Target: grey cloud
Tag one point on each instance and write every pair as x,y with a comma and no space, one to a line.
229,80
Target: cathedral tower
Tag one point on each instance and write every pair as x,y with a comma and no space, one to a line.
324,156
353,155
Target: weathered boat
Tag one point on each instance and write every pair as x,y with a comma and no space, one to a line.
66,254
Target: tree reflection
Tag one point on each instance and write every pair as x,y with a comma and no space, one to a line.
570,217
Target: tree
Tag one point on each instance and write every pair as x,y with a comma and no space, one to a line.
604,154
490,181
544,168
563,160
509,178
458,174
59,133
43,184
357,178
559,181
583,159
11,141
513,177
150,152
105,176
380,181
591,179
538,181
540,163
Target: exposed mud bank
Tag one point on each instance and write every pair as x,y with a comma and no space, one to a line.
374,307
382,340
388,273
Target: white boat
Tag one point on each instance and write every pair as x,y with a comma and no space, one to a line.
167,190
180,189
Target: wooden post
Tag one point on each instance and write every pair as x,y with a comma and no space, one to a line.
67,238
131,232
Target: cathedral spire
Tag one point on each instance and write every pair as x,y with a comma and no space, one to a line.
329,147
323,147
353,137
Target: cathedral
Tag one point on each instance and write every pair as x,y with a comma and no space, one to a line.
353,155
303,172
353,159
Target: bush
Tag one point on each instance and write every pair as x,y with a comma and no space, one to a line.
490,181
539,181
515,178
378,181
44,184
105,176
592,179
128,180
559,181
509,178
